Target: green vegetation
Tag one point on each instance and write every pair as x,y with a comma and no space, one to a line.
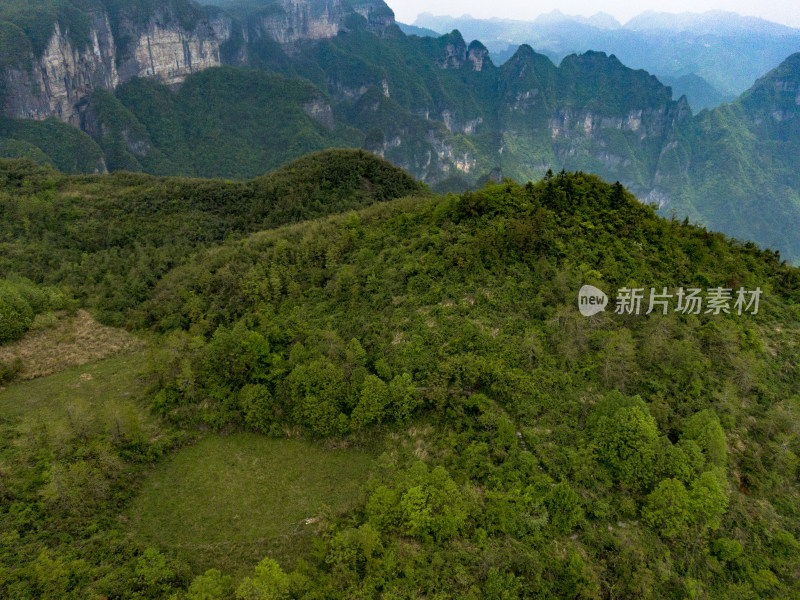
422,104
109,239
15,48
36,19
222,122
523,451
12,148
50,142
741,170
73,447
603,450
20,302
228,501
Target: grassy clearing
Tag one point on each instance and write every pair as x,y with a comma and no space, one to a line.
229,501
66,342
101,385
104,398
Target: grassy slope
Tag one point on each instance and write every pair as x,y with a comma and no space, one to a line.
228,501
73,448
61,341
96,390
224,502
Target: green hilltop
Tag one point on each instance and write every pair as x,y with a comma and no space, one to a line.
503,445
108,239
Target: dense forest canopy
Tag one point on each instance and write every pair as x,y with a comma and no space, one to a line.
506,446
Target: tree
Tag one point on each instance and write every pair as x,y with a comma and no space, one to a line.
373,400
233,358
403,397
211,585
501,586
317,392
727,549
668,508
709,501
355,549
705,430
258,406
383,511
564,507
52,576
618,359
153,574
269,583
16,315
434,508
672,461
625,436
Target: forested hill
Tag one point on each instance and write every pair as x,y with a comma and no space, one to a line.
108,239
261,83
555,455
517,449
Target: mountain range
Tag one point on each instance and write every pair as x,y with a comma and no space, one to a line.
711,57
234,90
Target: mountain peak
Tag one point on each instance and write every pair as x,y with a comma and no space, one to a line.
591,59
478,55
527,63
592,70
790,67
784,78
450,51
525,53
775,97
376,12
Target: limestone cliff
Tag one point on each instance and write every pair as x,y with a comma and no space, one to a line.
169,43
166,50
161,46
289,22
53,84
453,53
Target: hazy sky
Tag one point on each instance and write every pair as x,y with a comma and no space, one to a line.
780,11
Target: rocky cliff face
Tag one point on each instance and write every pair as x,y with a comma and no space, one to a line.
164,46
166,51
290,22
455,54
558,112
59,79
55,83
